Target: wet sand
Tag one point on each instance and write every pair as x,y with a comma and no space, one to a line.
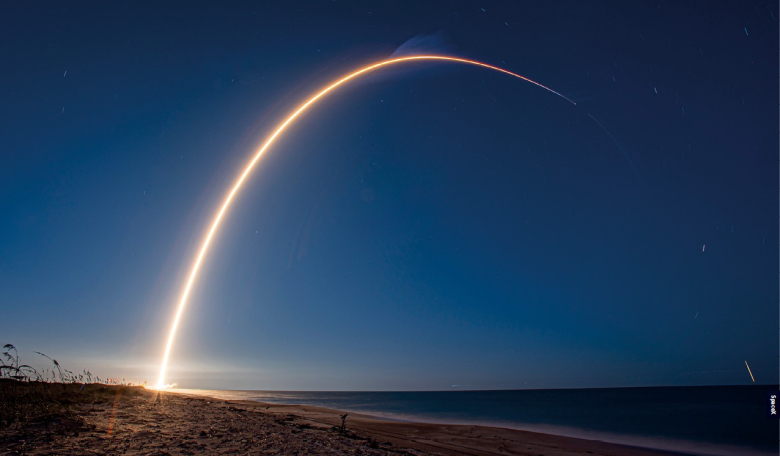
145,422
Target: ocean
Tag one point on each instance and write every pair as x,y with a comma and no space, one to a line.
706,420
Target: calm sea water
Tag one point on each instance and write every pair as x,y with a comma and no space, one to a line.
712,420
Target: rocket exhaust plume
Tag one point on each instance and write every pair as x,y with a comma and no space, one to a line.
279,130
426,43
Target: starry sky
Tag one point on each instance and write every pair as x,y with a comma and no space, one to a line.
428,227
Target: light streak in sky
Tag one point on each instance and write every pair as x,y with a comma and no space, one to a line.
751,373
237,185
625,155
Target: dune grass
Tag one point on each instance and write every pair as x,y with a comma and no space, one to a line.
40,404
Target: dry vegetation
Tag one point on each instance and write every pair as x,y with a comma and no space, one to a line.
38,406
35,412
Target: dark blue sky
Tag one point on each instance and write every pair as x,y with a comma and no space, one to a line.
429,226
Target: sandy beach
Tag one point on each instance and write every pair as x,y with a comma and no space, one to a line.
135,421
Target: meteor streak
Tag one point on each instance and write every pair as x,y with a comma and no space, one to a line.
751,373
625,155
218,218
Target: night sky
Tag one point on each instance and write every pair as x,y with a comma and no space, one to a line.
430,226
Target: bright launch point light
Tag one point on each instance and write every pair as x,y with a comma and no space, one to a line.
215,224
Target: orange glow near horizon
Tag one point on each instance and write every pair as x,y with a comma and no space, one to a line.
218,218
160,387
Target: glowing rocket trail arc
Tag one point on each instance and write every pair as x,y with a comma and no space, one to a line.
269,141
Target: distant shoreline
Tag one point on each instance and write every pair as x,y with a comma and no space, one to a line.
399,407
104,419
442,438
